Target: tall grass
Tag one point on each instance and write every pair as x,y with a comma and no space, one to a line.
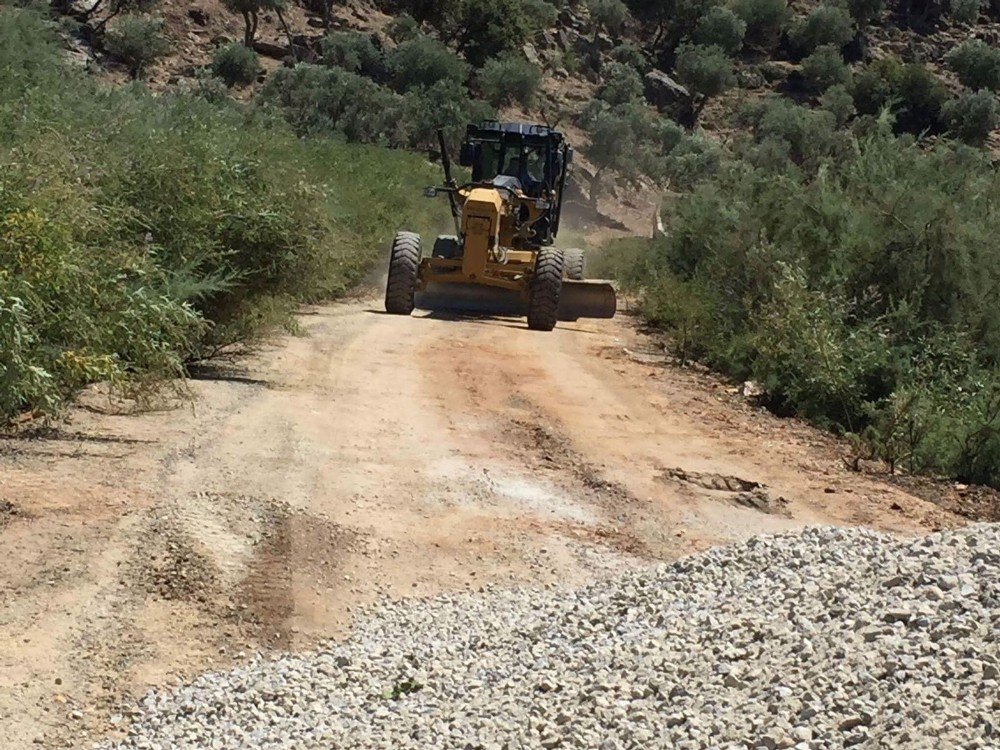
138,232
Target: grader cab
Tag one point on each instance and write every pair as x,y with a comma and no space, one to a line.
501,259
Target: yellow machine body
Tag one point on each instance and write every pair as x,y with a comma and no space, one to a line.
493,269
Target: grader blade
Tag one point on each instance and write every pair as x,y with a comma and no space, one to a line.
578,299
471,299
587,299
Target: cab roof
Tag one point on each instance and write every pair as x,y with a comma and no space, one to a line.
493,130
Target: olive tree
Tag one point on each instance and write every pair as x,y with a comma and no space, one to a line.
251,10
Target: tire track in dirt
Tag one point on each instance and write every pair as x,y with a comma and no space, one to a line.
376,456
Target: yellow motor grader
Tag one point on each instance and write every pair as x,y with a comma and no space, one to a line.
501,260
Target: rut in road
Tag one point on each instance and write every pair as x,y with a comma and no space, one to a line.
374,457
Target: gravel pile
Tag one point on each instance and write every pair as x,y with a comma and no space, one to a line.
823,639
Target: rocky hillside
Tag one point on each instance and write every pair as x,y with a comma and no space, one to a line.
824,170
619,76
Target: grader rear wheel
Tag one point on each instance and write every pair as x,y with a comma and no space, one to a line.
404,266
546,285
574,264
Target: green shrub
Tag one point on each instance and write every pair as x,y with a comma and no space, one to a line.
491,28
863,295
827,25
976,63
765,20
423,62
722,28
837,100
865,12
973,116
235,64
139,232
318,100
705,71
911,92
445,15
354,52
632,55
403,28
803,136
509,79
965,11
610,15
622,84
825,68
447,106
205,85
627,139
137,41
539,14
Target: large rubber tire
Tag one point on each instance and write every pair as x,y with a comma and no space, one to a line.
404,266
574,264
544,290
446,246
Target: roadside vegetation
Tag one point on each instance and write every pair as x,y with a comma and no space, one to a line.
829,225
139,233
853,274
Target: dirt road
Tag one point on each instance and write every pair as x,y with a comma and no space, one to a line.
374,456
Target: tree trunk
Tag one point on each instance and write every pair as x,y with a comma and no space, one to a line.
288,34
595,188
247,30
327,7
250,28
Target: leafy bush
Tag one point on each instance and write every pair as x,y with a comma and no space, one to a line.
235,64
138,232
137,41
509,79
539,14
622,84
706,71
825,68
785,133
827,25
837,100
445,15
615,138
320,100
976,63
354,52
965,11
973,116
491,28
865,11
632,55
424,61
722,28
765,20
317,100
911,92
610,15
403,28
863,296
447,106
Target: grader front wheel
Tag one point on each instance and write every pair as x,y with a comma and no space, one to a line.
404,265
544,291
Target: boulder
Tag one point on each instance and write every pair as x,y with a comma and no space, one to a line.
664,92
199,16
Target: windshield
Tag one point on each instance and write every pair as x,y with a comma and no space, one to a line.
527,164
